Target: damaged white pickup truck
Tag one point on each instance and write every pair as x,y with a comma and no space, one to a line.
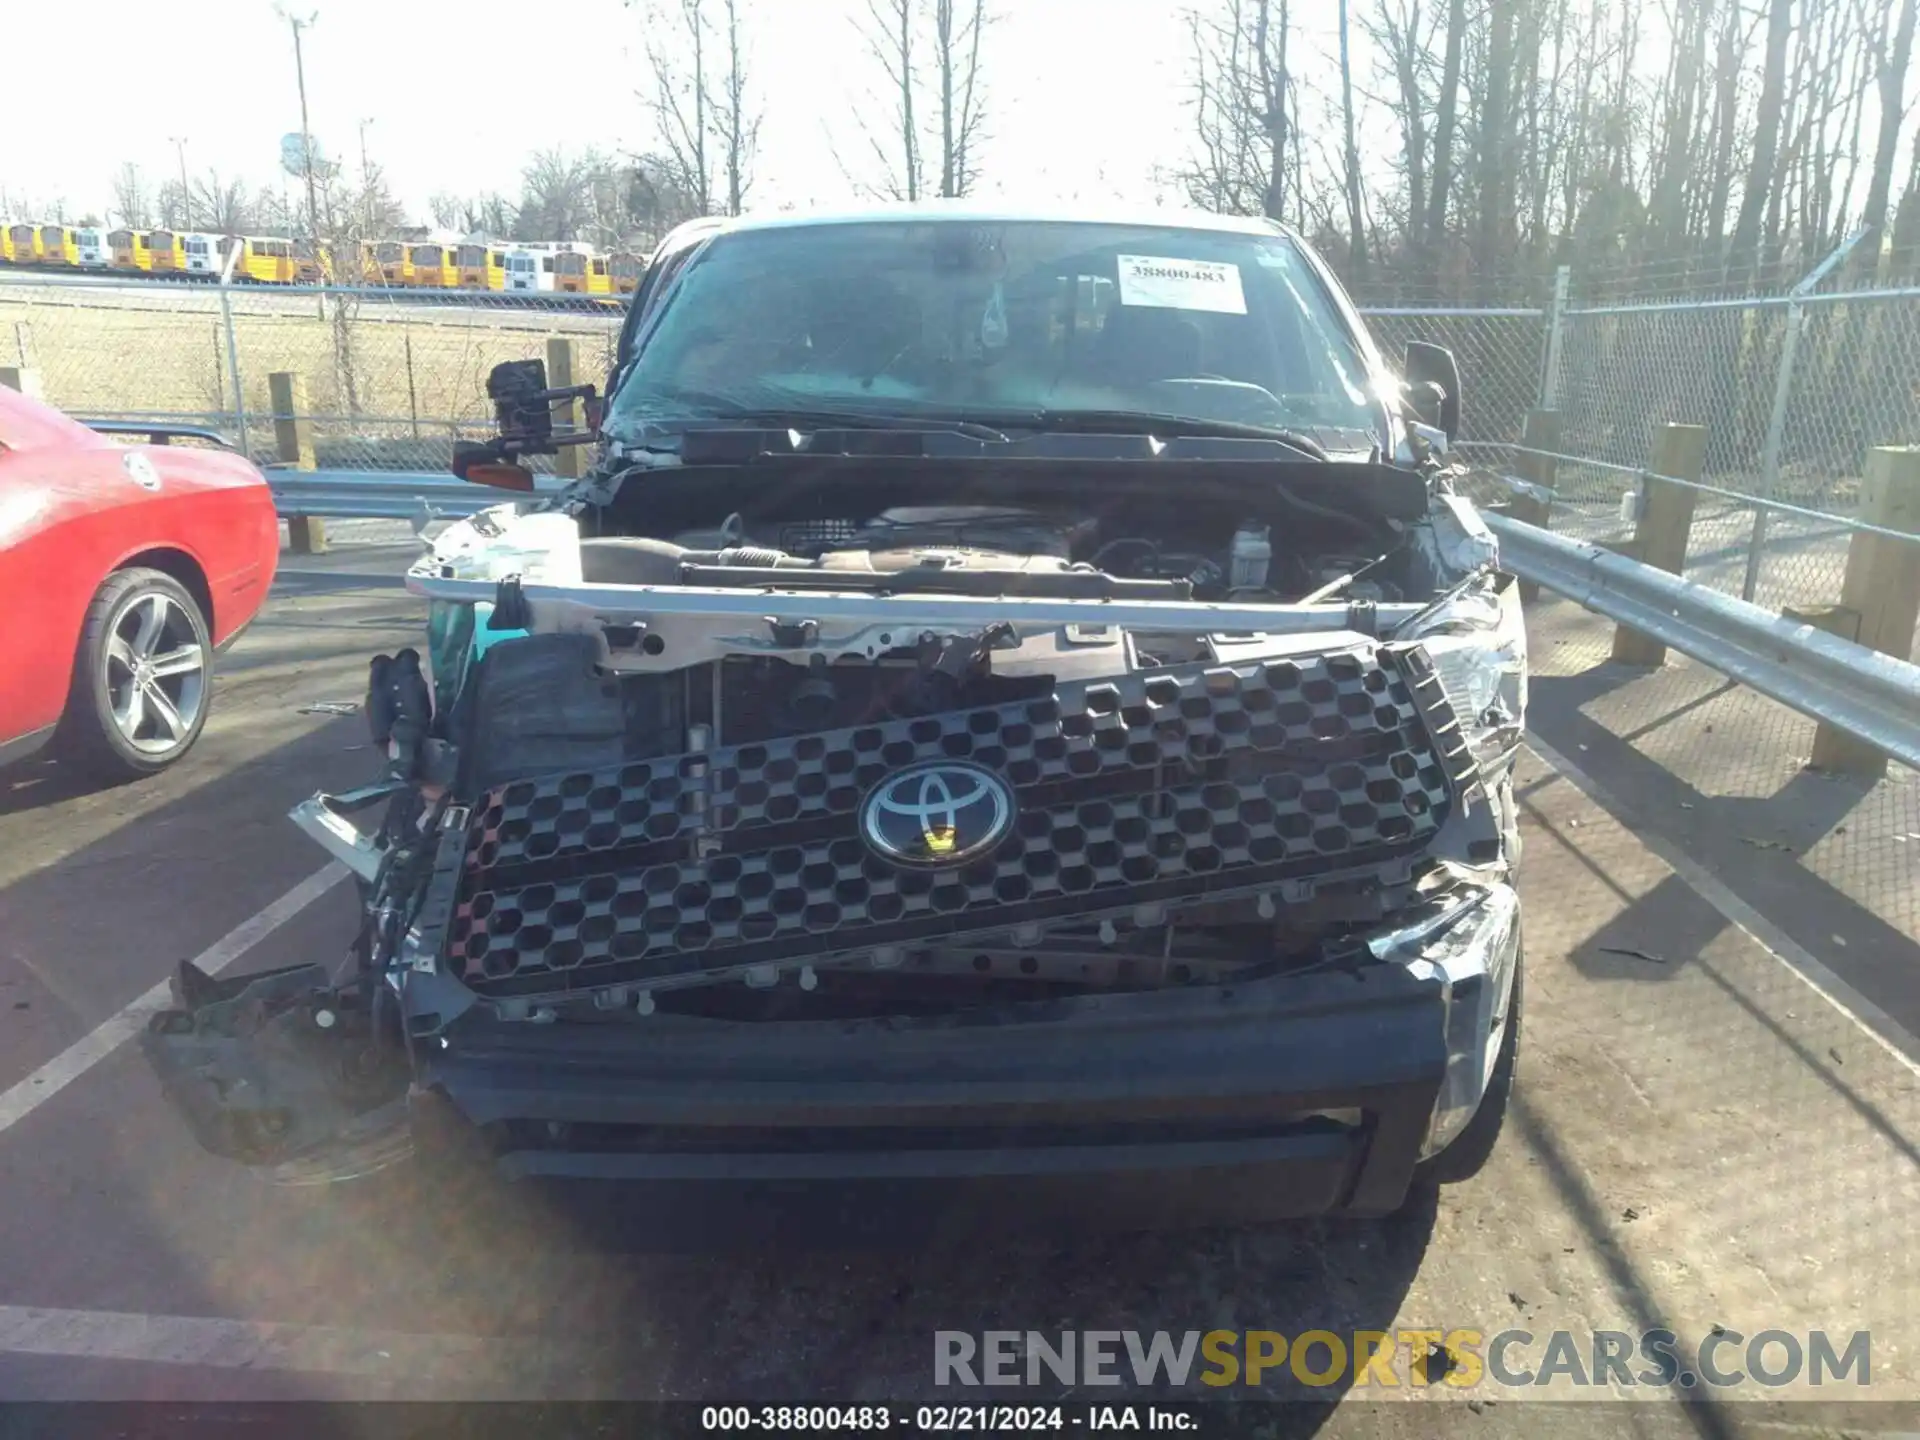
1016,710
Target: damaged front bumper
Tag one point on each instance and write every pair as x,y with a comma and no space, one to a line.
1292,1095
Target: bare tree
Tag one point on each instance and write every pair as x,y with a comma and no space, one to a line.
556,197
172,205
1446,119
1396,32
1350,155
1246,154
1762,182
677,36
488,213
1892,51
1495,138
737,120
222,206
702,105
132,200
888,30
957,28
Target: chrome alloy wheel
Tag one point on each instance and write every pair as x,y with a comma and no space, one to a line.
156,678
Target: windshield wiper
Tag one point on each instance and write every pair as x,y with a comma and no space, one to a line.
1147,422
718,410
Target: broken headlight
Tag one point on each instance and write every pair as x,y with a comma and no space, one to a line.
1478,642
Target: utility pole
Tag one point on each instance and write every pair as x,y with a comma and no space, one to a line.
366,177
186,195
306,130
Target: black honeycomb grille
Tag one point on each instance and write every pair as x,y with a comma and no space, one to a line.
1162,785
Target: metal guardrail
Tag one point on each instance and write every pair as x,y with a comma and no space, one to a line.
387,494
1873,697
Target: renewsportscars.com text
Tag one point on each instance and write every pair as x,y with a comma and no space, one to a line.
1461,1357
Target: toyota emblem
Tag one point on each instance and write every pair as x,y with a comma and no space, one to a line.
941,812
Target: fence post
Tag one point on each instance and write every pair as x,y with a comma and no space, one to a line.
293,441
1782,396
27,382
233,351
1556,325
1540,432
1770,452
561,365
1665,522
1880,596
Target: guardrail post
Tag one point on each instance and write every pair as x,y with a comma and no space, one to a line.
27,382
1540,432
1880,596
1833,750
293,442
562,358
1556,334
1665,523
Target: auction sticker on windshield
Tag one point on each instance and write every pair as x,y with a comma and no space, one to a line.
1181,284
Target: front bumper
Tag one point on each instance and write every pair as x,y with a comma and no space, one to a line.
1291,1096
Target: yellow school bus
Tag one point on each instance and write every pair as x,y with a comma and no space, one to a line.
311,266
580,272
394,263
17,245
166,252
626,268
264,260
57,245
480,267
130,251
433,267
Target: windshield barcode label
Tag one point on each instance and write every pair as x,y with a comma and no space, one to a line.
1181,284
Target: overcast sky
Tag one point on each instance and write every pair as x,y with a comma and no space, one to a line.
1087,96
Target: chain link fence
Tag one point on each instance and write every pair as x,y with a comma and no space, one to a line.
391,377
1500,352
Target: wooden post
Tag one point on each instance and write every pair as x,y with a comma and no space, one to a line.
1666,520
1881,588
1833,750
293,442
572,460
1541,432
27,382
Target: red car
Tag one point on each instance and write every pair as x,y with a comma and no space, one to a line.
124,569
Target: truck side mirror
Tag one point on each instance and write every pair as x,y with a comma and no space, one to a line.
511,386
1431,368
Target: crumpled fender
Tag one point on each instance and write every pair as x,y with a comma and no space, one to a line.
271,1067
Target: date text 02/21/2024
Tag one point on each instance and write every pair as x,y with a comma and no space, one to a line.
944,1419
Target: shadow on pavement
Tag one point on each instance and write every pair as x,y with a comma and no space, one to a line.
1750,844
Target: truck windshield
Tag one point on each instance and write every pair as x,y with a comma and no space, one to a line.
948,318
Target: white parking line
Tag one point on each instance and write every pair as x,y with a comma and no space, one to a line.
252,1344
28,1095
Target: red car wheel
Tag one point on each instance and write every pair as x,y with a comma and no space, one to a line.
142,677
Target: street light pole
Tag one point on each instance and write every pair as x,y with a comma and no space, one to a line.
186,195
306,130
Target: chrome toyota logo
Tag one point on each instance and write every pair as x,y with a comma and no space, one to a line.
942,812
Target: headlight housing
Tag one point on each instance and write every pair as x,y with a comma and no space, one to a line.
1478,642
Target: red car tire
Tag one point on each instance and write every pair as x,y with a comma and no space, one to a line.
142,678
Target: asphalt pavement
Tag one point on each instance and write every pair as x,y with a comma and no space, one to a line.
1716,1126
